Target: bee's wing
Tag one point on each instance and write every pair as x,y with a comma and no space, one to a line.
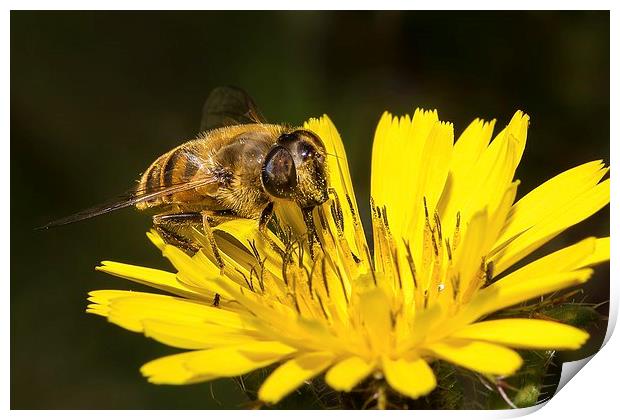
229,105
131,198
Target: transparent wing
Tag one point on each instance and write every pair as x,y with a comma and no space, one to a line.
131,198
229,105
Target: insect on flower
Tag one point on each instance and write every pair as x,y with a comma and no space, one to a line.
447,231
237,168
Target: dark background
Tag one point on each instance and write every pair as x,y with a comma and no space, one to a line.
96,96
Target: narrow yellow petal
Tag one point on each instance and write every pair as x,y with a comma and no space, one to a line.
159,279
237,360
477,355
470,252
470,145
374,308
346,374
171,370
551,218
600,254
194,336
566,259
339,176
413,378
129,310
525,333
290,375
494,173
554,193
500,295
460,184
397,154
430,182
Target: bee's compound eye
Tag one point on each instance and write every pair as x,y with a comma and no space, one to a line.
279,175
306,150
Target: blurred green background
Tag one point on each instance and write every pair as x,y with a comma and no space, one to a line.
97,96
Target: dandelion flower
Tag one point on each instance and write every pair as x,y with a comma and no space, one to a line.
447,232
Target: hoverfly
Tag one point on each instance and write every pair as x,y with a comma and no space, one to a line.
237,167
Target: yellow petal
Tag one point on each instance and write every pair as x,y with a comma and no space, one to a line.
193,336
494,172
500,295
375,316
289,376
159,279
237,360
129,310
555,193
339,177
551,221
600,254
470,146
431,178
397,154
346,374
526,333
582,254
413,378
171,370
477,355
459,185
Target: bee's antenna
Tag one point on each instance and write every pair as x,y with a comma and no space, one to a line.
334,155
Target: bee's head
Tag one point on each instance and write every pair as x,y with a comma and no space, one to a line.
294,169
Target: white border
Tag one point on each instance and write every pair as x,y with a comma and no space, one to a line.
593,394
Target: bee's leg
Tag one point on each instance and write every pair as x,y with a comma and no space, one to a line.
210,219
263,227
312,235
265,218
168,225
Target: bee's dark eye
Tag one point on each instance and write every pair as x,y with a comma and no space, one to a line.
306,151
279,175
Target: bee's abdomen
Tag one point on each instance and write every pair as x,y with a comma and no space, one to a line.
170,169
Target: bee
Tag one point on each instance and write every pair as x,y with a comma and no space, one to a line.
237,167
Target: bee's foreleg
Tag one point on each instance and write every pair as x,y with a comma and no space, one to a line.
265,218
210,219
168,226
313,237
263,228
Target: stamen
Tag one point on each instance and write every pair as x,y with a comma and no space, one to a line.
372,271
322,221
435,246
456,283
397,267
310,279
338,218
438,225
322,307
250,285
296,302
344,290
411,263
457,230
488,273
351,209
385,220
449,249
336,211
324,272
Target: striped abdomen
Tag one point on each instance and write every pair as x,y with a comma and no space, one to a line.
171,170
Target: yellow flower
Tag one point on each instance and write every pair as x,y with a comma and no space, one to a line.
446,233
